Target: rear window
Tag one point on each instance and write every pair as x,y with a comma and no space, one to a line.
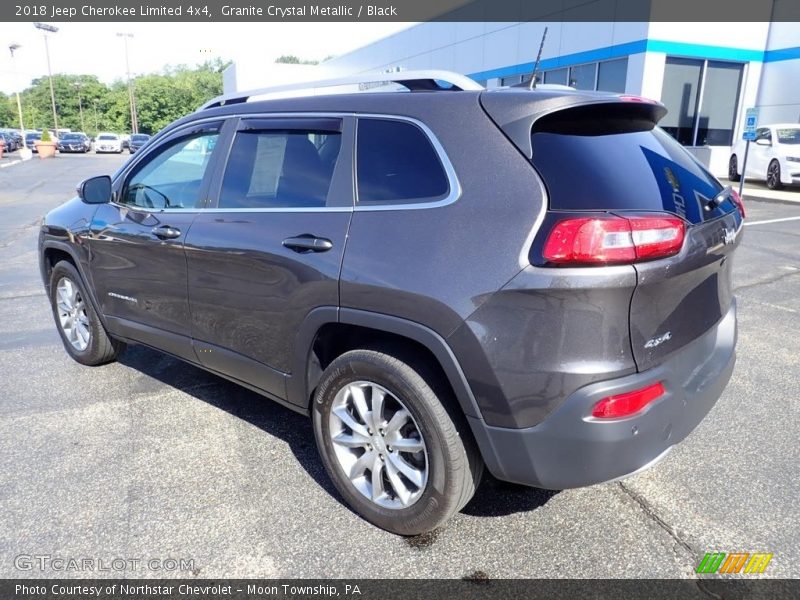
397,164
140,138
599,159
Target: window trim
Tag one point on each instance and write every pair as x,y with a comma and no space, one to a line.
120,178
454,186
228,129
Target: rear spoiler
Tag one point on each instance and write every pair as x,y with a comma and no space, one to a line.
516,113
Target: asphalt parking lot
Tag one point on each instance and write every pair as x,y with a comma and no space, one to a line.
149,458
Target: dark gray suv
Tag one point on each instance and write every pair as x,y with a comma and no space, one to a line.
538,281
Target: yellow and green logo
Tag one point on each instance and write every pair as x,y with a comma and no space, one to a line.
737,562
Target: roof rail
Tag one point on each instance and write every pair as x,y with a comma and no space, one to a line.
426,80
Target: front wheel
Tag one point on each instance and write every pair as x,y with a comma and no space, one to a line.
399,458
84,337
774,176
733,168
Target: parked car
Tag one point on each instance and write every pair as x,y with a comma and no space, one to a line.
126,142
74,142
9,141
137,141
31,138
425,276
108,142
774,156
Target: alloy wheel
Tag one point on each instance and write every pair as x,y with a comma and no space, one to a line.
773,175
378,445
72,315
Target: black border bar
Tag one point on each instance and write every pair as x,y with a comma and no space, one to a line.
478,587
400,10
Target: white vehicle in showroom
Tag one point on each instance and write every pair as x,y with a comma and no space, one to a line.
774,156
108,142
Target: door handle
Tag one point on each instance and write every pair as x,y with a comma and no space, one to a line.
308,243
166,232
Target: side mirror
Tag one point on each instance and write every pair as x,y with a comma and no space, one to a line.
95,190
763,142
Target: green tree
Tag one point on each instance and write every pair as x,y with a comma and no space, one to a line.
8,111
291,59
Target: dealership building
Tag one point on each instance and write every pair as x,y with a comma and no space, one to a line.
707,74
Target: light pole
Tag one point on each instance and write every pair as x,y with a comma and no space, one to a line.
78,86
96,122
131,95
12,48
45,28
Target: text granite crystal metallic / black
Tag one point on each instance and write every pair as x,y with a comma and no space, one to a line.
537,282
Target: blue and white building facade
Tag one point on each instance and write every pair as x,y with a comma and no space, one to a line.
707,74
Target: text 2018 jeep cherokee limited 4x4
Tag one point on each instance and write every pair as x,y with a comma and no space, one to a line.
538,281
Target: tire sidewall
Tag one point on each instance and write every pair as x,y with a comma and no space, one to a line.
435,503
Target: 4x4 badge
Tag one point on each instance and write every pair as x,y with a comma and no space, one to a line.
657,341
729,236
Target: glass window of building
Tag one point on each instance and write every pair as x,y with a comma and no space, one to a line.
556,76
611,75
582,77
702,97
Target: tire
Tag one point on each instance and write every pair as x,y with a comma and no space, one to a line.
443,472
774,175
84,337
733,168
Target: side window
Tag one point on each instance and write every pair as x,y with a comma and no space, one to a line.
397,164
173,176
274,168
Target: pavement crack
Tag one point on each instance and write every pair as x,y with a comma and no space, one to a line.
775,279
20,296
651,513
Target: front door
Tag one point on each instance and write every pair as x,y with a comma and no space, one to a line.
137,258
270,248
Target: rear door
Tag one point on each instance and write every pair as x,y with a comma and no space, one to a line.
599,160
270,249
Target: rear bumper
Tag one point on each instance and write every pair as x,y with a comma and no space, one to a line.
570,449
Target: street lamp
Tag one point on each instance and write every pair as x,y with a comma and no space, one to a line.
78,86
12,48
45,29
131,95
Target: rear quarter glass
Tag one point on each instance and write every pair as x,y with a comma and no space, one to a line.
621,165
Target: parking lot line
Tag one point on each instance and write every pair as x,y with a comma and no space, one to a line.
771,221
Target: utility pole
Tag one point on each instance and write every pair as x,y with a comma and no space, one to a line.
78,86
131,94
96,122
12,48
45,28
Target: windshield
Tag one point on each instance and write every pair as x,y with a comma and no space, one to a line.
789,135
33,136
71,136
107,137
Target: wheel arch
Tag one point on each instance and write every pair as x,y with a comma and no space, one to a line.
348,328
54,251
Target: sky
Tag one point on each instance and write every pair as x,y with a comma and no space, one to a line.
95,49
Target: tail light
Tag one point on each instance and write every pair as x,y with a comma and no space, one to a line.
737,200
613,239
627,404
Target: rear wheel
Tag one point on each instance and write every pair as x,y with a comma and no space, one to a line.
84,337
733,168
774,176
392,449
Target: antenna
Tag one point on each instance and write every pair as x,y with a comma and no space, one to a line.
532,85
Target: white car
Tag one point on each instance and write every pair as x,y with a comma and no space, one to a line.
108,142
774,156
